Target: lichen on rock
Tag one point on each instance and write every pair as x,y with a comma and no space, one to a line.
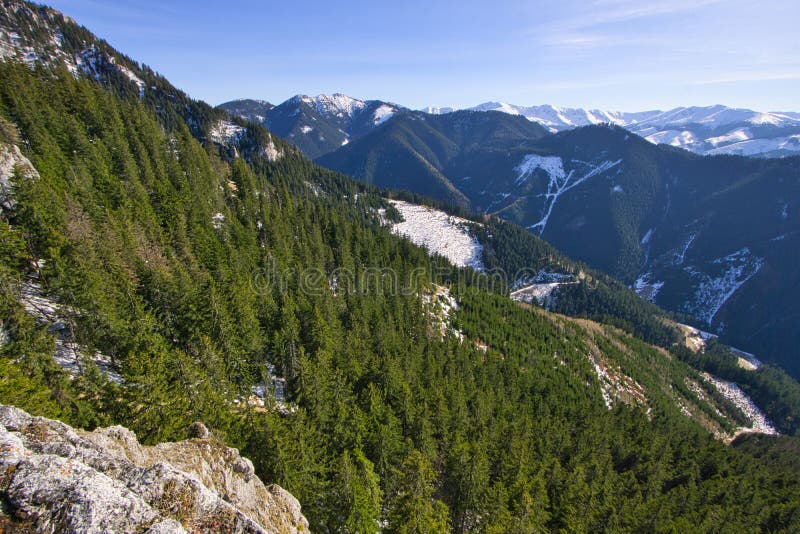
54,478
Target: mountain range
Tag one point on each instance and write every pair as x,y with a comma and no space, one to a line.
709,130
317,124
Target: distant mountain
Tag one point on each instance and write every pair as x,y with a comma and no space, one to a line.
248,109
319,125
712,237
430,154
703,130
316,125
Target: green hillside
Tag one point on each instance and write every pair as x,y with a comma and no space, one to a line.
182,267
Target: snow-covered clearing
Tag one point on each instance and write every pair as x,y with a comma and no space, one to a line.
552,165
440,233
694,338
270,393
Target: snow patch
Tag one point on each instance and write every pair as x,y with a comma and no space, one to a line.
732,392
270,151
738,135
545,291
646,287
552,165
383,114
757,147
218,221
616,385
440,306
559,182
270,393
128,73
226,133
440,233
680,256
434,110
712,292
746,360
678,138
541,294
337,104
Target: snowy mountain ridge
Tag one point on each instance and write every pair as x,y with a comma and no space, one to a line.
707,130
342,106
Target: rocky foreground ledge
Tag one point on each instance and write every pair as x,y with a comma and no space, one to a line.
54,478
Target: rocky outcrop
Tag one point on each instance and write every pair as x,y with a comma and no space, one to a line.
12,161
54,478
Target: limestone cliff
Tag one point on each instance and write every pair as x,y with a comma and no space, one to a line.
54,478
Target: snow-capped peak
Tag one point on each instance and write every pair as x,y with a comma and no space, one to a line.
338,104
498,106
716,129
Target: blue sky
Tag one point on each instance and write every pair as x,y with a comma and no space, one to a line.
612,54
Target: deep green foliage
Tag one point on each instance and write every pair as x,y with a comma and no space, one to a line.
626,207
169,252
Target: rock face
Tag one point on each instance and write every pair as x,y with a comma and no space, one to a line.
54,478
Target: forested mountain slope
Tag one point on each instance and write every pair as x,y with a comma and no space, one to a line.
422,153
196,268
712,237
